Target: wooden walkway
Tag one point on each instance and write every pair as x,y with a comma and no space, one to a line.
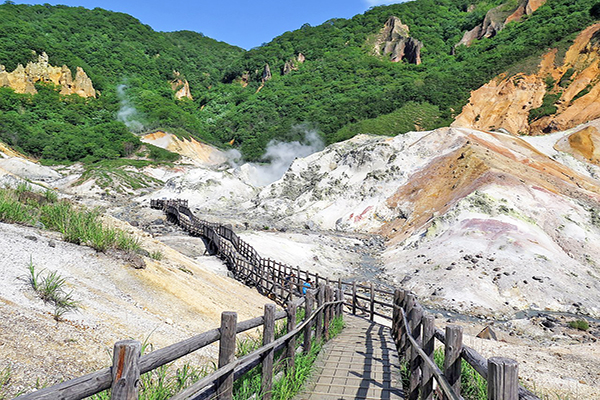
361,363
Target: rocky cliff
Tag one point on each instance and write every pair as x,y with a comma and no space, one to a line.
22,79
560,95
394,41
497,18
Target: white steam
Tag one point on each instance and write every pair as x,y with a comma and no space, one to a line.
280,156
127,113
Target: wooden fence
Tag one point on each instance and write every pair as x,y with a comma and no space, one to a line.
124,376
413,330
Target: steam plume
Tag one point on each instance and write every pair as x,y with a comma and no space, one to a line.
127,113
280,156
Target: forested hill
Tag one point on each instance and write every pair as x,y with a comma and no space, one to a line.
341,88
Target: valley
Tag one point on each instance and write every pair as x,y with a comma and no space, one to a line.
449,148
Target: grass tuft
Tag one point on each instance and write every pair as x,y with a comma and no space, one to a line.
51,289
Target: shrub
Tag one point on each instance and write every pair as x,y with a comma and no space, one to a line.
580,324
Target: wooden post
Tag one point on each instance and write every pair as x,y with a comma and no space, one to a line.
452,367
339,283
319,319
354,298
410,304
340,307
298,280
316,280
308,303
327,318
372,304
126,370
428,323
291,345
503,379
415,361
331,308
395,316
227,353
282,276
267,363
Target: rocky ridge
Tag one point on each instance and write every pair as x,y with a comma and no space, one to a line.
22,79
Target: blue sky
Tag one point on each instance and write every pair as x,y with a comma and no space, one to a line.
242,23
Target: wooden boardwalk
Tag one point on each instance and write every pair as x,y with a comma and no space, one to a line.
361,363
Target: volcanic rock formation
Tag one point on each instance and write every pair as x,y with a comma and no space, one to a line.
22,79
394,41
456,203
292,64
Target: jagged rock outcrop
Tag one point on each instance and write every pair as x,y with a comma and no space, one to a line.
266,74
181,87
497,18
394,41
509,102
292,64
22,79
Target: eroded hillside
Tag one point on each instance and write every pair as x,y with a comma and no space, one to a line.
563,93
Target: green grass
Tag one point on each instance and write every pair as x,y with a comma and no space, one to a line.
118,175
77,225
51,287
5,375
156,255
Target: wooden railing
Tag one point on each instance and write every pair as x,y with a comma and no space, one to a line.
124,375
274,279
413,329
414,332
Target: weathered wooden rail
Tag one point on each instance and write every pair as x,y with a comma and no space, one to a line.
413,330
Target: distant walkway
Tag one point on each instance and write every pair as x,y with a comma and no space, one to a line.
361,363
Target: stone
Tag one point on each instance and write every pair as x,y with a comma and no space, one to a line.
548,324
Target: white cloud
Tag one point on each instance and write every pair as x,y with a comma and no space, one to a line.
373,3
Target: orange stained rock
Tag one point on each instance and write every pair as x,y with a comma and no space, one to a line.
506,102
482,160
527,7
583,144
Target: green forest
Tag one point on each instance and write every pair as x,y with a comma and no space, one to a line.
341,90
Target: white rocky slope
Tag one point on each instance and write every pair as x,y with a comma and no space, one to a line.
477,222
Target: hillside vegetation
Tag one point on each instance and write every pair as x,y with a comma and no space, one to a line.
341,89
